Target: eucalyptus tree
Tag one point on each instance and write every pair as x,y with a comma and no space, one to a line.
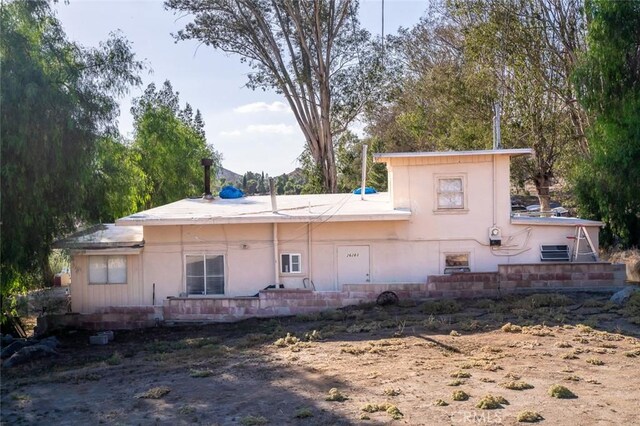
312,52
169,142
58,101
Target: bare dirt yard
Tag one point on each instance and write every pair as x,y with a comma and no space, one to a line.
438,362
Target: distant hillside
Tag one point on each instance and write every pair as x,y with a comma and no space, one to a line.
228,175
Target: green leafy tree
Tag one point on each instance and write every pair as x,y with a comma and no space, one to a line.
607,182
170,145
118,186
312,52
57,103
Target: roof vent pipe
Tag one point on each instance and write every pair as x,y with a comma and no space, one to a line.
207,163
272,190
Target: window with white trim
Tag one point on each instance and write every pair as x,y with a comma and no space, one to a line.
107,269
290,263
450,193
456,262
205,274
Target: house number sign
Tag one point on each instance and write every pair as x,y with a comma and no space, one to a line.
353,254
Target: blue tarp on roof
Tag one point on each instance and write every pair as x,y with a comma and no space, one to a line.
231,192
367,190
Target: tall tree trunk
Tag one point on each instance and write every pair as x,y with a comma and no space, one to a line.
543,182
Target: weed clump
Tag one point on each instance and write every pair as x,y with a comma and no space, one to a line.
335,395
303,413
391,409
632,354
313,336
440,403
490,402
517,385
288,340
253,421
200,373
595,361
460,374
154,393
561,392
391,392
456,382
439,307
114,359
459,395
510,328
563,345
529,417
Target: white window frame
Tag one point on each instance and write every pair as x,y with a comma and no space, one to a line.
459,268
290,263
204,257
108,280
436,191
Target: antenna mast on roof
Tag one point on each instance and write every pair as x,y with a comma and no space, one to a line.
497,110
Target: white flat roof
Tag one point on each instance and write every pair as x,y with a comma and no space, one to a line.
554,221
510,152
257,209
104,236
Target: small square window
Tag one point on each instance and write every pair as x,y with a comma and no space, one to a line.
107,269
290,263
456,262
450,193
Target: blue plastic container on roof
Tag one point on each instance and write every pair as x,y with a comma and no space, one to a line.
231,192
367,190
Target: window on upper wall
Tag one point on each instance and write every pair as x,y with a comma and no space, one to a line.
290,263
107,269
456,262
450,193
205,274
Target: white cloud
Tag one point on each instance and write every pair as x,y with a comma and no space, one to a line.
261,107
230,133
281,129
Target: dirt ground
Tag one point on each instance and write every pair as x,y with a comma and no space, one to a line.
394,361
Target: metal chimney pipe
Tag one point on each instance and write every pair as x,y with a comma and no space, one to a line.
207,163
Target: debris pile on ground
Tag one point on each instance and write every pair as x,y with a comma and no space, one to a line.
20,351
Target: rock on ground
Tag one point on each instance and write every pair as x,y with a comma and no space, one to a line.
622,296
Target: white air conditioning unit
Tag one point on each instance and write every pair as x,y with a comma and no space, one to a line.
495,236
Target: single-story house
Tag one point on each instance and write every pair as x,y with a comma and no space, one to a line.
444,229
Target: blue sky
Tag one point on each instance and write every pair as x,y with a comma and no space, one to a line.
254,130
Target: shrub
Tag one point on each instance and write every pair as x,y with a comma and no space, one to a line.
559,391
440,403
335,395
303,413
510,328
459,395
253,421
288,340
595,361
490,402
460,374
529,417
516,385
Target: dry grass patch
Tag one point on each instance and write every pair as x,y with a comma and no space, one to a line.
632,354
490,402
529,417
486,380
572,378
561,392
569,355
288,340
154,393
440,403
392,392
563,345
457,382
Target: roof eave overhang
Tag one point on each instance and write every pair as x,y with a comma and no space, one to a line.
397,215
